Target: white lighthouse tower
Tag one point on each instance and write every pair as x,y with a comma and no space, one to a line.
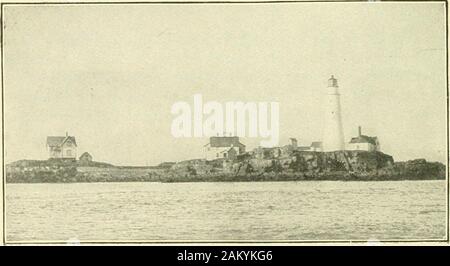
333,135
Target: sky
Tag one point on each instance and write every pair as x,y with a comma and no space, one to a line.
109,74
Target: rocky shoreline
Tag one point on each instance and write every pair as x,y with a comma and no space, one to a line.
256,167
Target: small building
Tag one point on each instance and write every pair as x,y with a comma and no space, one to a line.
230,153
62,147
85,157
316,146
363,143
223,147
293,146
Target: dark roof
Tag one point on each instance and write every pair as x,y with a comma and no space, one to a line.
85,154
316,144
364,139
54,141
225,142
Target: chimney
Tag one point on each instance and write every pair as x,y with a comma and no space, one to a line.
359,131
294,143
67,134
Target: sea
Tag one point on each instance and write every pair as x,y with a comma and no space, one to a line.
226,211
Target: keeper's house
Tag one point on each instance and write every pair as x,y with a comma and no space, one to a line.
62,147
363,143
223,147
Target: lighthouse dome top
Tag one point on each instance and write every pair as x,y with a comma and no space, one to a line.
332,82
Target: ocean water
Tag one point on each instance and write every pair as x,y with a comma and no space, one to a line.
316,210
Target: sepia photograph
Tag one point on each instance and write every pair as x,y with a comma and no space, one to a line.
225,123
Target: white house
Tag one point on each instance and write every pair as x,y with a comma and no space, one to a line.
62,147
363,143
223,147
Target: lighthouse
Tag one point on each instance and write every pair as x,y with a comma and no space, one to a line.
333,134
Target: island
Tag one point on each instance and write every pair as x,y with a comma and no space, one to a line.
261,164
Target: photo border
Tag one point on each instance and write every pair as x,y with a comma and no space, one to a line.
238,242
